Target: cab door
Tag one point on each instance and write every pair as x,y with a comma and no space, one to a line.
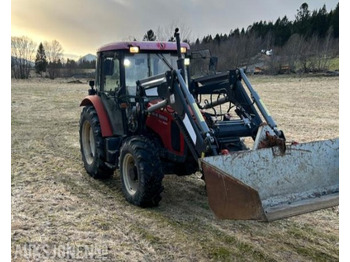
110,83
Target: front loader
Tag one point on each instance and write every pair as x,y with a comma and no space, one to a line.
147,117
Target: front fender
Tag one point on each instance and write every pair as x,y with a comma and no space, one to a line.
96,102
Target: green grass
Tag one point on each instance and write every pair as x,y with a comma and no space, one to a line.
334,64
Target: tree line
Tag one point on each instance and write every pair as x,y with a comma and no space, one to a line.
305,44
48,60
307,24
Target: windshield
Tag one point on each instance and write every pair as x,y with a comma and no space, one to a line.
143,65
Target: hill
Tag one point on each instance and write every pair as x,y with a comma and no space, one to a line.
87,58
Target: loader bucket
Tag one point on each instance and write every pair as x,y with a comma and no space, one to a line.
266,184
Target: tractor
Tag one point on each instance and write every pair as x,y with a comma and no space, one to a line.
146,116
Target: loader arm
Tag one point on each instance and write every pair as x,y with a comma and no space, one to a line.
249,106
172,88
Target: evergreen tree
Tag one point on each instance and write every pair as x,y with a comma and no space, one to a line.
322,22
40,60
302,20
149,36
282,31
334,21
236,32
71,64
217,39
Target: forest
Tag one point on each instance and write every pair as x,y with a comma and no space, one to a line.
310,43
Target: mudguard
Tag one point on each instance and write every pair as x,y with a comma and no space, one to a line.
96,102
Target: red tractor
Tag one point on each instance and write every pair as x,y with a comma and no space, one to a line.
147,117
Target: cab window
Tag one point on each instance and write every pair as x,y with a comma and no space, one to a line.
111,72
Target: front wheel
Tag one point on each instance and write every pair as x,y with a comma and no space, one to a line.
140,171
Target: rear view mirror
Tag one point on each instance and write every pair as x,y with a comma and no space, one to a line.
205,53
213,62
92,91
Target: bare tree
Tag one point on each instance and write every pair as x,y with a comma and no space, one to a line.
22,56
166,33
237,51
323,48
129,38
53,51
54,54
291,51
295,52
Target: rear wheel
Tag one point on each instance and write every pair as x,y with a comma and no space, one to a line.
92,144
140,171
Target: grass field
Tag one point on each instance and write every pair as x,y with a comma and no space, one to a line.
60,213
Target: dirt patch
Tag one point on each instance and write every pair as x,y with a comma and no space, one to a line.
60,213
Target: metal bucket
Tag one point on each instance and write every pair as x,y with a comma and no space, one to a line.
266,184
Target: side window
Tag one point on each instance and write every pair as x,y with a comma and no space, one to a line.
112,74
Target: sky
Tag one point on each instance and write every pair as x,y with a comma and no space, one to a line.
82,26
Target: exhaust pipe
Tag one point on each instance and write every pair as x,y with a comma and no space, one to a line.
267,184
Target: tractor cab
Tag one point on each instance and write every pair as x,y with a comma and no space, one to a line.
121,65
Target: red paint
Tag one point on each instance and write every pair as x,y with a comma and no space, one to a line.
106,128
161,46
224,152
160,122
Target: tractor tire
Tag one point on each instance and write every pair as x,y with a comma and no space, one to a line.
92,145
141,172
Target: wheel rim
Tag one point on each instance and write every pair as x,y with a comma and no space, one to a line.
88,142
130,174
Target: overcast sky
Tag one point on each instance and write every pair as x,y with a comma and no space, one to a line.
82,26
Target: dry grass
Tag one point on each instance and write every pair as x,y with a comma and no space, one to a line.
54,201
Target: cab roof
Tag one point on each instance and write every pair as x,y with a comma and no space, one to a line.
143,45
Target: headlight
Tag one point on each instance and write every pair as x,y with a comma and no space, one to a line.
134,49
127,62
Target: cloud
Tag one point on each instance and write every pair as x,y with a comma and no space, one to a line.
77,24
